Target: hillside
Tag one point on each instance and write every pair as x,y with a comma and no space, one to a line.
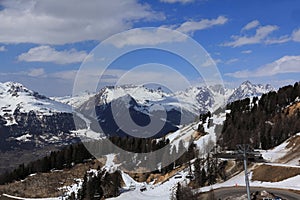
188,151
273,174
31,122
263,122
176,139
30,119
31,125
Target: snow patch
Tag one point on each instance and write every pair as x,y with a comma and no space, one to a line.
24,138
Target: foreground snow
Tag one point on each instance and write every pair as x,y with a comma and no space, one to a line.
239,180
154,192
274,155
204,143
14,197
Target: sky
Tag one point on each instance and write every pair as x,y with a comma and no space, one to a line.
45,43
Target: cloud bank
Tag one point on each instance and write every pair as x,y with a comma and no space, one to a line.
285,64
49,54
69,21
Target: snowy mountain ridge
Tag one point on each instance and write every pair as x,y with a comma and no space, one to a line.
74,101
194,100
197,99
16,97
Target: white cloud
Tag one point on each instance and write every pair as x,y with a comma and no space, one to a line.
3,48
177,1
49,54
66,75
251,25
146,37
217,61
286,64
149,73
282,39
34,72
37,72
260,35
296,35
230,61
191,26
163,34
246,51
69,21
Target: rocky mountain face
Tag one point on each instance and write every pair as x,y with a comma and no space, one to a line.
28,119
144,107
141,103
194,99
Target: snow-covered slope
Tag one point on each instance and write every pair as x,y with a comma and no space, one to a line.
204,143
74,101
15,96
287,152
29,120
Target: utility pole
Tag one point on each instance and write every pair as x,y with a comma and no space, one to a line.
244,150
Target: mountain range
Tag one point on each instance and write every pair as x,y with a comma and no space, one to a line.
28,118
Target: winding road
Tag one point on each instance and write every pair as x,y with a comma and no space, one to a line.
223,193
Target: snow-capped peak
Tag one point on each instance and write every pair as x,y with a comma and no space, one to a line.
141,93
16,96
194,99
76,100
248,89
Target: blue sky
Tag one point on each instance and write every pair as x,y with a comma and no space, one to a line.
43,43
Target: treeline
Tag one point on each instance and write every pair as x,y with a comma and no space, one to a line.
207,171
65,158
102,184
183,192
263,123
77,153
139,145
168,158
98,185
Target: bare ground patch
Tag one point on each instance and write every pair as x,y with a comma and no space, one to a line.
294,152
292,109
44,185
269,173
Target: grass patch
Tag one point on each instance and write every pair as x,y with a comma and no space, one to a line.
269,173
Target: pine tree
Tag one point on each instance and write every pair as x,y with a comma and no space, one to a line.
184,192
197,173
203,177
